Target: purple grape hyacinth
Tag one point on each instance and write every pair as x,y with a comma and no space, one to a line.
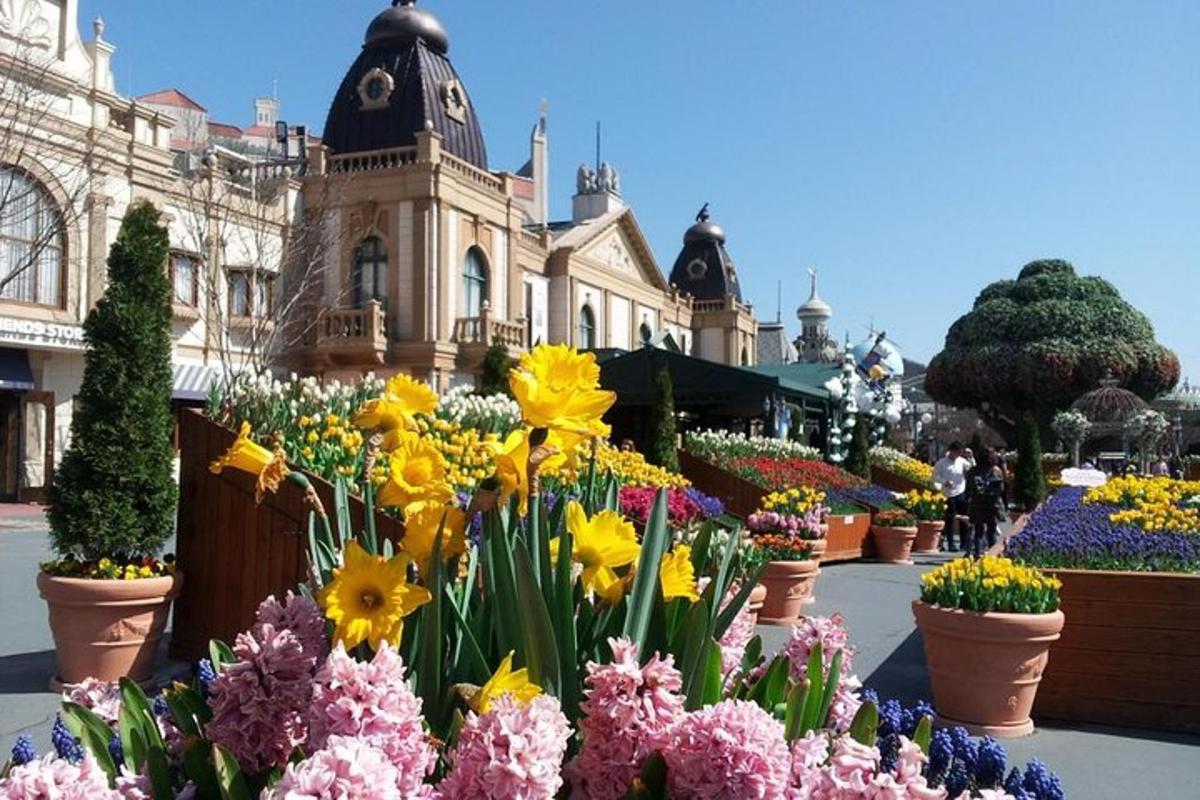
23,751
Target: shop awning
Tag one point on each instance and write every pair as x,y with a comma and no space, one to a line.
15,374
192,382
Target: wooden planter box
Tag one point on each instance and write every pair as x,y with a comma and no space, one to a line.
1129,654
232,551
895,483
848,535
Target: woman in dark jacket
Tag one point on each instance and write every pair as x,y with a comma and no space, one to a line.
985,501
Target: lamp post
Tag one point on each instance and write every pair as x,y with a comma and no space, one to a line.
1177,434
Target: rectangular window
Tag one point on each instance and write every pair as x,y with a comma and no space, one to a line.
251,293
185,279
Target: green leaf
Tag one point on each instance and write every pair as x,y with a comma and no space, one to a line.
541,650
753,654
220,654
923,734
714,677
93,733
793,717
831,684
690,649
769,691
612,497
645,592
651,782
479,670
341,507
229,776
429,654
370,537
502,588
815,678
563,614
197,765
135,699
865,724
159,772
700,548
737,602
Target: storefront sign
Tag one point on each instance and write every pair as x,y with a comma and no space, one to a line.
33,333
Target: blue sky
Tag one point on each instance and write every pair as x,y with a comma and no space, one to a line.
912,152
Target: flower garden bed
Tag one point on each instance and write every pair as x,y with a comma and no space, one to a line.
1130,650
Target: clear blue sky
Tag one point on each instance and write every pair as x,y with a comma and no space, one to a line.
912,152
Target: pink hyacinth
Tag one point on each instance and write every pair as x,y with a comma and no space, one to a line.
737,636
297,614
848,770
628,713
56,778
347,769
829,632
260,703
101,698
513,752
730,750
132,786
372,702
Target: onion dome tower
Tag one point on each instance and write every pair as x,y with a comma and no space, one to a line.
403,83
814,344
704,269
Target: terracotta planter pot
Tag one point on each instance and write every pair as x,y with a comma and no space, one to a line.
107,629
929,536
755,602
789,588
894,545
985,668
818,546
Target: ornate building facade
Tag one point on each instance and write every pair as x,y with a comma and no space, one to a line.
444,256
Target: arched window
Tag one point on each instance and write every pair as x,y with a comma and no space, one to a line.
31,241
645,333
370,271
587,329
745,357
475,283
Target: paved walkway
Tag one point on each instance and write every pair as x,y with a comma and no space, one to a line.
1095,763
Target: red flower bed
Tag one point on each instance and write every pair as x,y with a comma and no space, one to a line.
776,474
636,503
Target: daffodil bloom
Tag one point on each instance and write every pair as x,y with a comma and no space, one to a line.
505,681
421,530
369,598
417,474
403,398
557,387
512,469
678,576
601,543
246,455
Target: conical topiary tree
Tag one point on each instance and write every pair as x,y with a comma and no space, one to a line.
1029,483
493,373
661,436
858,460
114,494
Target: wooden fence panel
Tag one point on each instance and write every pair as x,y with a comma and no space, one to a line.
232,552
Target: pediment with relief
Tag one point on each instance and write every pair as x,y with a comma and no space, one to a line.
23,20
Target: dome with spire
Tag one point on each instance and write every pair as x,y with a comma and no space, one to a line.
704,269
1109,407
403,83
814,308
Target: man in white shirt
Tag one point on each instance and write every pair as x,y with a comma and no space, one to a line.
950,475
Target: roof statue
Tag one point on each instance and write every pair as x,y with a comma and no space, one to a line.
585,180
608,180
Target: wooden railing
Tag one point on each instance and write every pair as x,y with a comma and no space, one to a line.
341,327
372,160
486,330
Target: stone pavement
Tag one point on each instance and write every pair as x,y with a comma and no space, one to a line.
1094,762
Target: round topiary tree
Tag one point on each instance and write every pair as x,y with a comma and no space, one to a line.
114,493
1037,343
661,444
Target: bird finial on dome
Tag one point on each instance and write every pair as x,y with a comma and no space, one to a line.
703,215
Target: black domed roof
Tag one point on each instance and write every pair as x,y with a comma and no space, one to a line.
403,23
704,269
403,83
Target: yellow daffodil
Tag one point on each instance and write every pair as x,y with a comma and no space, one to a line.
421,530
677,575
601,543
370,597
269,467
558,387
403,398
416,474
505,681
512,469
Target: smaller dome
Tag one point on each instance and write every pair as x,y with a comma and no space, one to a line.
1110,406
814,307
704,230
403,23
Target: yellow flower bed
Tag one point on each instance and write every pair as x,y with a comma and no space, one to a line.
630,468
990,584
1152,504
927,505
470,455
797,500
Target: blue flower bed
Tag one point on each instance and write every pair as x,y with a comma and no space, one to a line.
869,494
1070,534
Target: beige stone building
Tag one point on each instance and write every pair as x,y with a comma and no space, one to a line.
441,255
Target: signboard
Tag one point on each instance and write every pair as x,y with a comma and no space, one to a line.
34,333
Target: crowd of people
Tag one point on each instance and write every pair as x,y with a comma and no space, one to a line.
976,490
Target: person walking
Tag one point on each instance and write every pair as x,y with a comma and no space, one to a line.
950,476
985,502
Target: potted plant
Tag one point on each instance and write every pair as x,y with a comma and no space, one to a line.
929,508
894,531
790,576
112,503
799,511
987,624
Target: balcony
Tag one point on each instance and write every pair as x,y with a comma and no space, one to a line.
352,336
485,330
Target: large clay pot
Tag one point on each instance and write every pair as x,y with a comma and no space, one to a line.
818,548
107,629
929,536
985,668
893,545
789,588
755,601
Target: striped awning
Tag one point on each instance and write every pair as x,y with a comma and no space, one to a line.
193,382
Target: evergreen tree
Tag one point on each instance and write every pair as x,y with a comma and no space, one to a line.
114,493
858,459
1029,484
661,436
493,374
977,444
